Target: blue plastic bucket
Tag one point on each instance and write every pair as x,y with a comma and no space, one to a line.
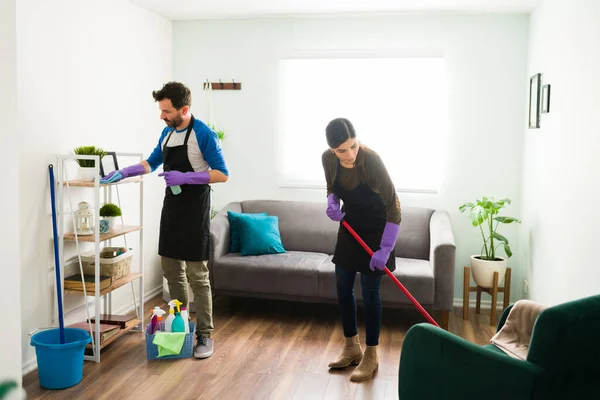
60,365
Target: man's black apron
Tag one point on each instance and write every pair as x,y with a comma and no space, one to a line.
185,218
366,214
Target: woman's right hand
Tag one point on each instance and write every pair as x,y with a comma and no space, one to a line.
333,208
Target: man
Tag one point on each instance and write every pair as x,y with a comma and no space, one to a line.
192,158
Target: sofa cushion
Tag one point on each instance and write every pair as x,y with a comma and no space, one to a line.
260,235
415,275
291,273
234,229
414,237
304,226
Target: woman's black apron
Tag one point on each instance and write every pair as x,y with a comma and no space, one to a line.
185,218
367,215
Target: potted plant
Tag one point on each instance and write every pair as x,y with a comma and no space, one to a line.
110,212
484,214
86,167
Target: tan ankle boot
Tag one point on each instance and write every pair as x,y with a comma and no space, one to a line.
351,354
367,367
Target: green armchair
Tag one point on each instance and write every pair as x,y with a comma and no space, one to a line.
563,361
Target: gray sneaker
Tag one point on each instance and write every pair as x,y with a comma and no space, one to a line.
204,347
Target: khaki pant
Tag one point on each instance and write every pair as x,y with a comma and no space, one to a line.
178,274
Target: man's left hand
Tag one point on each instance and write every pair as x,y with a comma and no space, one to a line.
176,178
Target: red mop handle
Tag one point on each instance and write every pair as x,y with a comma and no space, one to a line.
389,273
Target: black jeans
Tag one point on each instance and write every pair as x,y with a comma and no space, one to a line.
372,301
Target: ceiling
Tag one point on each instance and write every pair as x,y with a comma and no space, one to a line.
217,9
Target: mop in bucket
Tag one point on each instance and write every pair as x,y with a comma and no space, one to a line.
59,351
389,273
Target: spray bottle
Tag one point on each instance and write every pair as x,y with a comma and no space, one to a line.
171,317
178,325
186,319
174,189
157,314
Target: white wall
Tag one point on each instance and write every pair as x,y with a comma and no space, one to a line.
562,167
487,70
86,70
10,336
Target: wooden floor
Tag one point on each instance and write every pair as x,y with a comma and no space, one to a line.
264,349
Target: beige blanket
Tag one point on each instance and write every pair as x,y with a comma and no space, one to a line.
514,337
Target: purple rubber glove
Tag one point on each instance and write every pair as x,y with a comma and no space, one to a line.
177,178
388,241
127,172
333,208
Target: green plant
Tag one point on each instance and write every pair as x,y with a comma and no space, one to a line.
88,151
110,210
484,212
220,133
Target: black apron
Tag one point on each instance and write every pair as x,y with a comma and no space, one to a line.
367,215
185,218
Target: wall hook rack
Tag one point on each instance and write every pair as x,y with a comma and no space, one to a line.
233,85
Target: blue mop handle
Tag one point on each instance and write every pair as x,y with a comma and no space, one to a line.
56,261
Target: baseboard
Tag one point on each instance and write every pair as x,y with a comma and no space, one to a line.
31,365
485,304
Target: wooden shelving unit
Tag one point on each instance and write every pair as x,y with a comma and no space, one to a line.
78,183
72,189
70,236
121,332
113,286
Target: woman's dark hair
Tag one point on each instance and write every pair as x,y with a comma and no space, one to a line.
338,131
178,93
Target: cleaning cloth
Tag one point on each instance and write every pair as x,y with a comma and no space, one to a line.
169,343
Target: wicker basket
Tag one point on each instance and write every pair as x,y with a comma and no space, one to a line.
116,267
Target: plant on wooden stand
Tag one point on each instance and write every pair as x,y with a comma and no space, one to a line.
484,214
86,167
110,212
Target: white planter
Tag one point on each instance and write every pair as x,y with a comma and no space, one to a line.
483,271
113,222
87,174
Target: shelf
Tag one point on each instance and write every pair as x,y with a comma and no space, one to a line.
121,332
79,183
122,230
115,285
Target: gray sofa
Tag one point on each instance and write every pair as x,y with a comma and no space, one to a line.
425,252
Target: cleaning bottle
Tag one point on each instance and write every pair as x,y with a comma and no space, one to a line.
186,319
157,314
178,325
171,317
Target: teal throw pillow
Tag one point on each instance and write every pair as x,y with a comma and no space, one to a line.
234,229
260,235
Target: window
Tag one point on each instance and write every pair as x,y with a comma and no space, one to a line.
398,106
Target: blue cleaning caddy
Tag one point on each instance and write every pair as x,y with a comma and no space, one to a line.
186,351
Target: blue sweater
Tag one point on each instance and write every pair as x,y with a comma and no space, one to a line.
204,149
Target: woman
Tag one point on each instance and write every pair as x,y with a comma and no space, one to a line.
357,176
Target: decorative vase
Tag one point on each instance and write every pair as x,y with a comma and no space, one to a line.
483,271
104,225
87,174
